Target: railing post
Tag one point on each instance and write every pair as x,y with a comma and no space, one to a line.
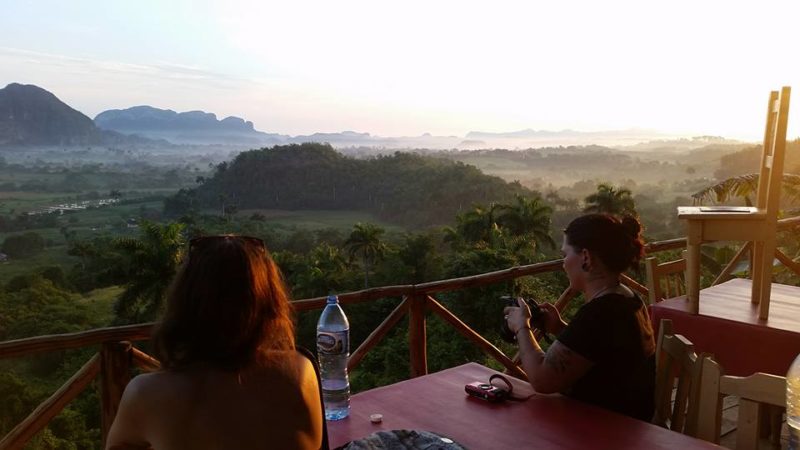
115,364
417,341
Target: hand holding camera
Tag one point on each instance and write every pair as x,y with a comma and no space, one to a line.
528,311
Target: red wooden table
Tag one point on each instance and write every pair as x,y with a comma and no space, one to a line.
728,326
438,403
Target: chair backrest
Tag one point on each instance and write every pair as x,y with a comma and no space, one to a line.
677,367
773,153
665,280
753,391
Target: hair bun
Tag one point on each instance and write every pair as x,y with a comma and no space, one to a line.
632,226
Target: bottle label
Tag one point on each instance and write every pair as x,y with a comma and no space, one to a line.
332,342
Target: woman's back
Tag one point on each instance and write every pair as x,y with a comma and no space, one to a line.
275,406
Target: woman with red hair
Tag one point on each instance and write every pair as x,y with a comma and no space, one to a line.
231,377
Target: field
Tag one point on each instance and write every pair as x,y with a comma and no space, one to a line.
118,220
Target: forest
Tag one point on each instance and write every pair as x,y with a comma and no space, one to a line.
334,223
407,189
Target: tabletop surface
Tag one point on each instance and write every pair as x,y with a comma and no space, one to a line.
438,403
731,301
727,326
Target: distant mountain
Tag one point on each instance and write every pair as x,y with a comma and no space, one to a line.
30,115
521,134
685,144
567,134
347,137
192,127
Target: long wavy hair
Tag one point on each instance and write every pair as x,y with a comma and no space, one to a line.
227,307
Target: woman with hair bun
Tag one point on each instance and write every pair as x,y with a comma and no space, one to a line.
231,377
605,355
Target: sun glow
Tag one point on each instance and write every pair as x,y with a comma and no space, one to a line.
413,67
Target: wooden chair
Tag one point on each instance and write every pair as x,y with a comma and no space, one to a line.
753,224
755,392
676,360
665,280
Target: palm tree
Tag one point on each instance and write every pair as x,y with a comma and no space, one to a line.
477,224
325,272
610,200
528,219
365,240
744,186
419,254
151,261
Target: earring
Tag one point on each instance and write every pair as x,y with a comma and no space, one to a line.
585,267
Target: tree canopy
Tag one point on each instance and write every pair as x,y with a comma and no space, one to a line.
406,188
611,200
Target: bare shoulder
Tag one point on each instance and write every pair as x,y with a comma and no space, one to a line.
302,362
149,381
149,387
299,366
142,384
131,424
295,369
306,370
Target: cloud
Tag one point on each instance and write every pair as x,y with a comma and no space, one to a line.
19,63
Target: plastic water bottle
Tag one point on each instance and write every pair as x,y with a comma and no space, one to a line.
333,349
793,404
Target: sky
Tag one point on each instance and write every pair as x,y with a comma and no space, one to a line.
412,67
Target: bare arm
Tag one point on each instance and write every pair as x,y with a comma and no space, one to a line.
560,367
550,372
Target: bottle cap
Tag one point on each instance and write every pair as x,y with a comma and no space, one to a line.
332,299
376,418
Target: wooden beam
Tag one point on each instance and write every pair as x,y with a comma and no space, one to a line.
378,334
433,286
564,299
115,360
660,246
417,339
788,223
41,416
490,277
633,284
476,338
49,343
144,361
786,261
350,298
726,272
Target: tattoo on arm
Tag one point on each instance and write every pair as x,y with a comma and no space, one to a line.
558,358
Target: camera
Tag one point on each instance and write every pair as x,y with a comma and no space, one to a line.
537,318
486,391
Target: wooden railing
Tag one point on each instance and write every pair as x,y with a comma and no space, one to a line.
116,355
